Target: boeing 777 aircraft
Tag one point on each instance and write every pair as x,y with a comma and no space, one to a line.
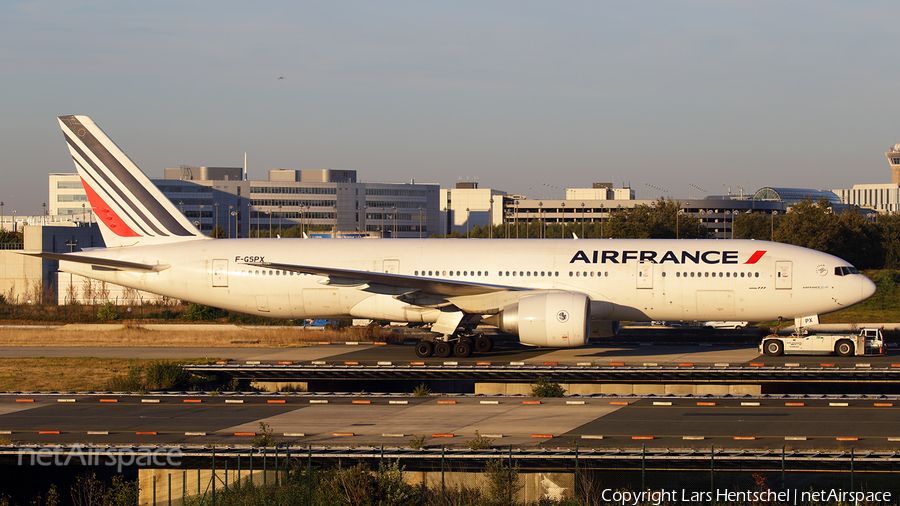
549,292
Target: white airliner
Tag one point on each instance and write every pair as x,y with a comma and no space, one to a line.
554,293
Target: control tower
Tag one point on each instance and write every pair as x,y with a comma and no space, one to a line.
893,157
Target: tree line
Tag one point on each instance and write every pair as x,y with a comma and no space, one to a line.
865,243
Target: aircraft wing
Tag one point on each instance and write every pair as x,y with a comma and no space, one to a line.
109,263
421,284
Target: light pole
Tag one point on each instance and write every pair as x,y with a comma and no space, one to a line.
181,206
582,219
279,220
700,215
601,221
1,216
230,214
200,226
467,223
677,213
45,213
394,227
562,221
444,223
517,219
302,217
365,220
216,227
420,222
233,213
83,213
334,211
71,291
491,220
269,212
541,219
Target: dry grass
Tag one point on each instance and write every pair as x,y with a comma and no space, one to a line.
60,374
181,337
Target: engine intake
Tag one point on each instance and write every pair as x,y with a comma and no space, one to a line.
556,319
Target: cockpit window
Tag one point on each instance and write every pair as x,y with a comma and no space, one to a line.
845,271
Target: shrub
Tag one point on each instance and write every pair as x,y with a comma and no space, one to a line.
504,480
422,390
266,436
107,312
417,442
480,442
546,388
199,312
165,376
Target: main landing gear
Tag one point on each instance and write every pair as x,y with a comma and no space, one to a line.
461,346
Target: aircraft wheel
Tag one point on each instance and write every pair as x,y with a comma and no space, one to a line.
424,349
773,347
462,349
442,349
844,348
484,344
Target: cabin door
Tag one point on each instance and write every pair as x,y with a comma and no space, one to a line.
783,275
220,272
645,275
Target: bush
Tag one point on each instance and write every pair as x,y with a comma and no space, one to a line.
199,312
417,442
422,390
546,388
266,436
107,312
480,442
165,376
504,480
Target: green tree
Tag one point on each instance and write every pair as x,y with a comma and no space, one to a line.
810,224
889,235
754,225
217,233
657,221
8,236
858,240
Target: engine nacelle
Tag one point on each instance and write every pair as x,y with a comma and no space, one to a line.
556,319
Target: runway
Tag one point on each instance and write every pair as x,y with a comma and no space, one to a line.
591,422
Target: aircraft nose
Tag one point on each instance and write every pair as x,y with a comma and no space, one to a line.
868,288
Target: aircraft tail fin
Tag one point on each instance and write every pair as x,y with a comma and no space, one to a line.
130,208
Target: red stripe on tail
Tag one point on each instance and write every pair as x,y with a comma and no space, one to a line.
107,216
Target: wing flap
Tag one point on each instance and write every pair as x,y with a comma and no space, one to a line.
425,285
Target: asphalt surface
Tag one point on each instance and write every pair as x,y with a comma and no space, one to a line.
395,420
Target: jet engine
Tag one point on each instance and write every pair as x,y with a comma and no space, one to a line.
555,319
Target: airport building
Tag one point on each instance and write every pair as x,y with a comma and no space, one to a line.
880,197
323,201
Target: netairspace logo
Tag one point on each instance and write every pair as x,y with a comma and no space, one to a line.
790,496
92,456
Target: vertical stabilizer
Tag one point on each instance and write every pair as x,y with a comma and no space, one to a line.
130,208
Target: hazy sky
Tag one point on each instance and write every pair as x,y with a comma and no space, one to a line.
518,94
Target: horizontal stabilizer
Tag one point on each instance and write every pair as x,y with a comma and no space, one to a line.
120,265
